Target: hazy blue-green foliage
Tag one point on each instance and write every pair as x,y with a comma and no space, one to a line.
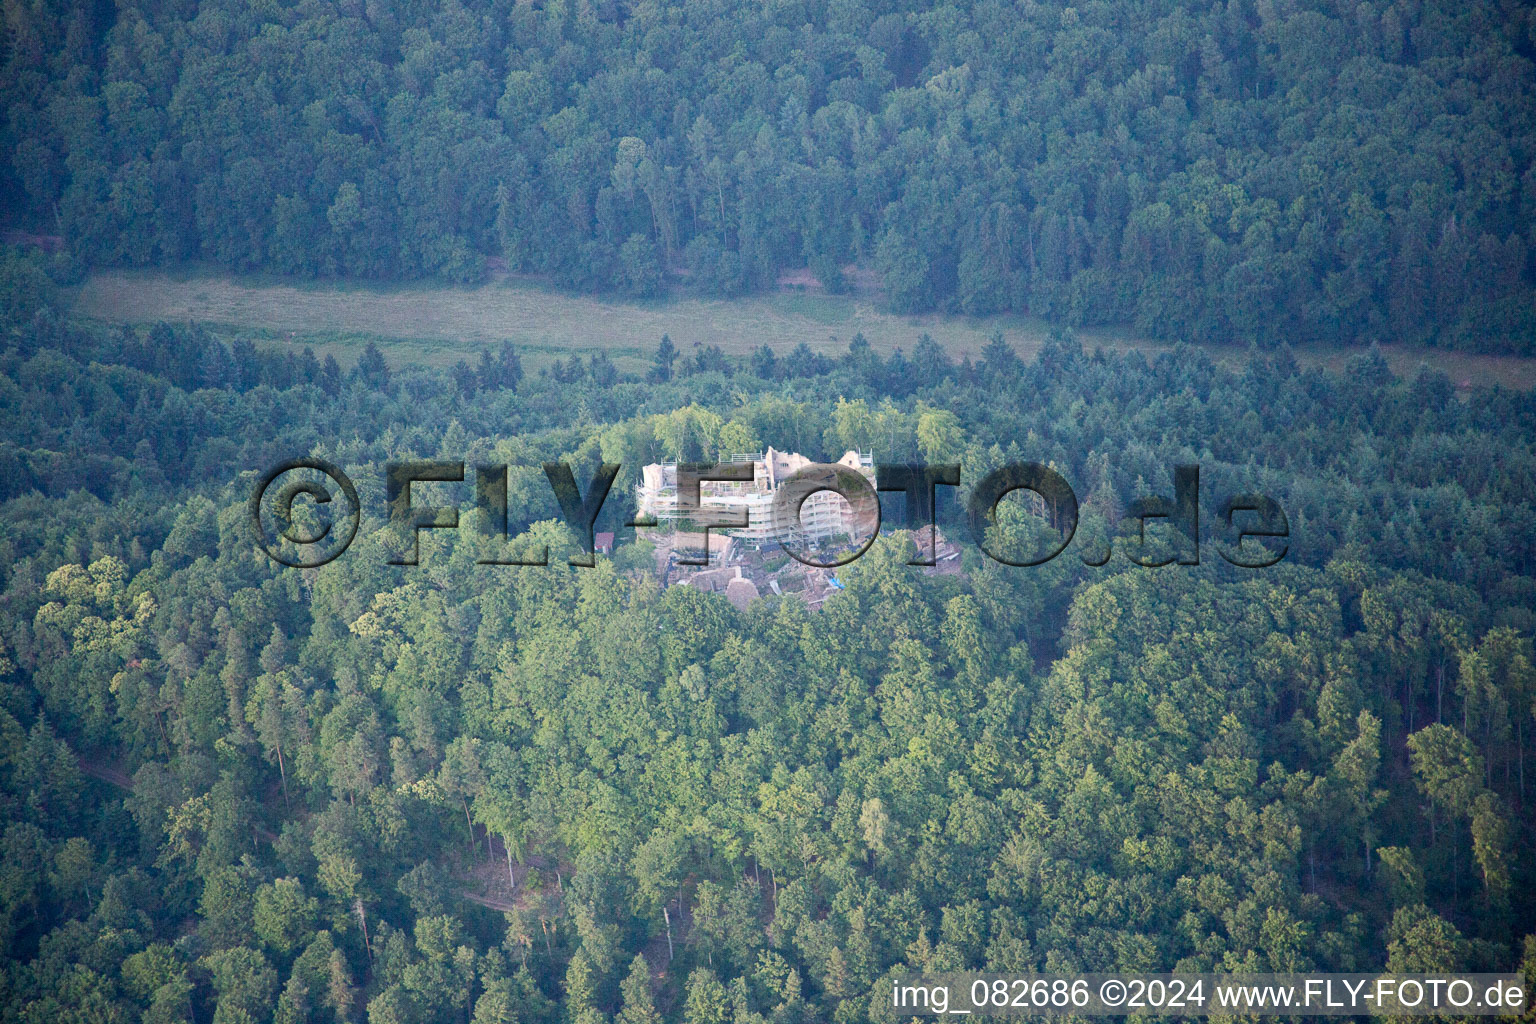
716,815
1260,169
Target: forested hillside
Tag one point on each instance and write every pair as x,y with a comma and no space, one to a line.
663,809
1257,170
461,793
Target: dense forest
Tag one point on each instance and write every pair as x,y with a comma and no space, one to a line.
456,793
238,792
1261,170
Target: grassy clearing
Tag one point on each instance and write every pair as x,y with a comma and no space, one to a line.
443,323
439,325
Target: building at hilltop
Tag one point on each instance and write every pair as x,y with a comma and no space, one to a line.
823,516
